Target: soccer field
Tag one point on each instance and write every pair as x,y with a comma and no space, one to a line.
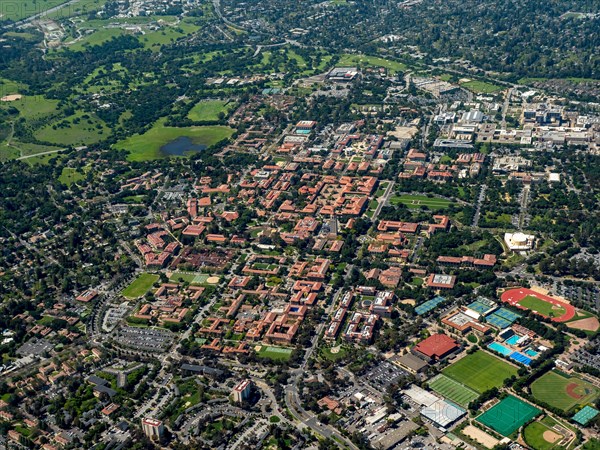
452,390
561,391
480,371
508,416
547,309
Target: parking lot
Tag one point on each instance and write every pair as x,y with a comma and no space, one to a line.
384,375
145,338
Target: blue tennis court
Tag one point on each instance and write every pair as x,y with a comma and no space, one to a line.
502,318
520,358
479,307
429,305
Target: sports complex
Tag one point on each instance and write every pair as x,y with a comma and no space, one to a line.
466,379
541,304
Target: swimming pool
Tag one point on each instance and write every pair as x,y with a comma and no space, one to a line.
531,353
513,339
497,347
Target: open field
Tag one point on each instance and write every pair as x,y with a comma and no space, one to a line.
508,416
562,391
98,37
371,61
420,201
481,87
147,146
480,371
543,305
209,110
35,106
70,175
585,321
140,285
78,129
453,390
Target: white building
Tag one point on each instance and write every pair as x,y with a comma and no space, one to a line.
153,428
519,242
242,391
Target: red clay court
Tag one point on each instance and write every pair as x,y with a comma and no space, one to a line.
515,296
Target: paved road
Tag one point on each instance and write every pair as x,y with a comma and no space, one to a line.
524,202
292,398
383,200
478,207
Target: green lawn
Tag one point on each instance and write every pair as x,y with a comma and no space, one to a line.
592,444
371,61
326,352
275,353
480,371
34,107
27,148
140,285
561,391
170,33
147,146
542,307
481,87
209,110
42,159
8,87
420,201
97,37
79,129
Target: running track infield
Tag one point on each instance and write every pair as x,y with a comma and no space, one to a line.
514,296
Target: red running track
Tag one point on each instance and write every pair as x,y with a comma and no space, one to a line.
514,296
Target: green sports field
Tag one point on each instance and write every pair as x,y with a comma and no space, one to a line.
275,353
481,87
480,371
542,307
453,390
508,416
561,391
534,436
140,285
420,201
